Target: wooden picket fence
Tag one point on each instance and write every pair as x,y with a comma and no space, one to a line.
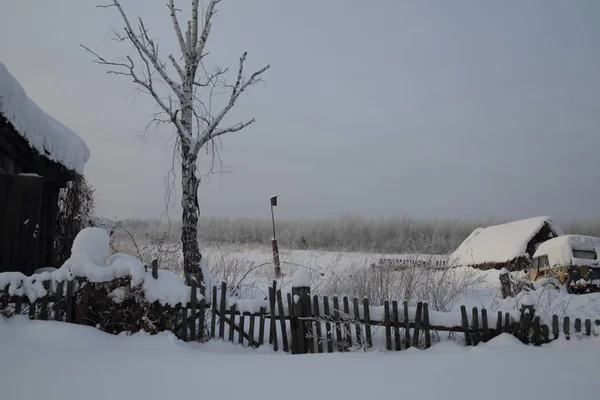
300,323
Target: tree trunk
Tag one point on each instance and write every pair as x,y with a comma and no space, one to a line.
189,204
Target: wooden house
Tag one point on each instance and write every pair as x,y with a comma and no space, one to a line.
38,156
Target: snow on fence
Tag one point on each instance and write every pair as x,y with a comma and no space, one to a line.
297,322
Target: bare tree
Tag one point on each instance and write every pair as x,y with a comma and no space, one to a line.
188,106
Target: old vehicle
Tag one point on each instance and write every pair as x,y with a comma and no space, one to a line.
573,260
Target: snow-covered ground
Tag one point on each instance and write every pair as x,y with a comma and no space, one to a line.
60,361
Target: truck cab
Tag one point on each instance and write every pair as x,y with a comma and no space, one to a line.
571,259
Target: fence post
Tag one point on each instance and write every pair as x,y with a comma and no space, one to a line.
301,293
505,284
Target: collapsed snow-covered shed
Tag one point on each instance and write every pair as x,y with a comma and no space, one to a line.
509,245
38,157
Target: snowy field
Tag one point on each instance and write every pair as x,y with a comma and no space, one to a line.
60,361
249,269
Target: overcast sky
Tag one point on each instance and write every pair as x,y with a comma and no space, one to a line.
450,109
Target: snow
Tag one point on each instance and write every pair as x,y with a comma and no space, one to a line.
89,260
499,243
71,362
45,134
301,278
560,249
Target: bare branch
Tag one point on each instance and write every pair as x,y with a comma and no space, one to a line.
177,67
210,12
237,127
177,28
237,90
152,56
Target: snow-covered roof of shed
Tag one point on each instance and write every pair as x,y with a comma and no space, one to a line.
45,134
500,243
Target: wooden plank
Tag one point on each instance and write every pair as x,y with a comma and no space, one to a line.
357,318
317,315
367,316
261,326
308,323
58,303
222,308
484,325
396,322
475,323
252,323
524,327
193,306
4,296
465,324
232,323
328,332
184,323
386,323
347,326
567,327
213,319
555,330
272,320
406,326
242,323
577,325
426,325
499,323
588,327
70,301
293,325
416,330
507,327
284,337
299,328
338,328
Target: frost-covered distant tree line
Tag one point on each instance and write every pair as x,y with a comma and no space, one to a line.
396,234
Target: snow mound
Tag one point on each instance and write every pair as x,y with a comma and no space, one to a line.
301,278
45,134
89,253
500,243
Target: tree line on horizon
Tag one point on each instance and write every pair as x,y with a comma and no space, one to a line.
397,234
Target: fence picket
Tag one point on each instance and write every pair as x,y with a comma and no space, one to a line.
328,333
396,325
261,326
44,304
358,325
242,322
507,327
251,330
232,323
465,324
555,330
388,328
588,327
284,338
406,326
537,331
499,323
222,308
213,319
426,325
416,331
484,325
336,317
32,310
184,323
272,321
18,302
317,315
475,323
567,327
367,316
347,327
577,325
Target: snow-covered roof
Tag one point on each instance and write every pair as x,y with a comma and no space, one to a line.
500,243
45,134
